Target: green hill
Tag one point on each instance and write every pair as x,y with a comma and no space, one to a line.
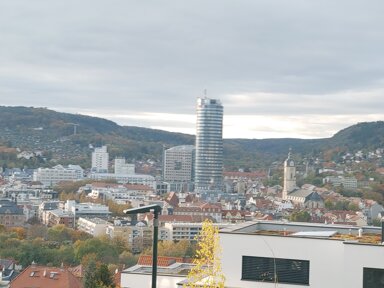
53,133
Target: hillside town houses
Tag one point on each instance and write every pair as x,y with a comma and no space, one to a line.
247,197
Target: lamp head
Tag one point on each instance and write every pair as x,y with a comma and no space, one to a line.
143,209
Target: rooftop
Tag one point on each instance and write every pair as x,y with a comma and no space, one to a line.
347,233
42,276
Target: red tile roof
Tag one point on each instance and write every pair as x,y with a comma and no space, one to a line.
46,277
105,185
140,187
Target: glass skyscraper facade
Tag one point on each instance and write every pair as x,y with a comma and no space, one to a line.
209,145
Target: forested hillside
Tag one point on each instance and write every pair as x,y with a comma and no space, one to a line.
69,138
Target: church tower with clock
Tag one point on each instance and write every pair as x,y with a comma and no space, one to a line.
289,176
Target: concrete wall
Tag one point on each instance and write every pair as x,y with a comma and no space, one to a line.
133,280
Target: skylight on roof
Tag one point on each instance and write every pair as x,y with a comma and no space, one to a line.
324,234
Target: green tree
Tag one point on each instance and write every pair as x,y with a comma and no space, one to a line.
301,216
353,206
376,222
329,204
207,270
97,276
59,233
104,251
128,259
182,248
90,278
104,276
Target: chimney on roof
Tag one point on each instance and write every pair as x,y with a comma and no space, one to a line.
45,273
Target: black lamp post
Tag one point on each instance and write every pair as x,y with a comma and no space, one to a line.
155,209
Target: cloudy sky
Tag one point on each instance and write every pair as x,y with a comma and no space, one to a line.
282,68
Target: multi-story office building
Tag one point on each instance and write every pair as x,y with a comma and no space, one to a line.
178,231
138,236
179,166
87,210
123,168
100,158
54,175
209,145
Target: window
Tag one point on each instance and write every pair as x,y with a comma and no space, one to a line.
276,270
373,278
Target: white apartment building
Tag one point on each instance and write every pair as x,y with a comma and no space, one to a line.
178,164
52,176
93,226
123,168
186,231
100,158
346,182
278,254
87,209
122,194
139,236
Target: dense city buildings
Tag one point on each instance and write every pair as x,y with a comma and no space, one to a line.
209,145
339,193
179,167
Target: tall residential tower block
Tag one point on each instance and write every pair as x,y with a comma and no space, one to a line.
209,145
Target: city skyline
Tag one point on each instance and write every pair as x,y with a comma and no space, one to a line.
294,69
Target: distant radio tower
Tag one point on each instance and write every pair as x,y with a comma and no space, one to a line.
74,127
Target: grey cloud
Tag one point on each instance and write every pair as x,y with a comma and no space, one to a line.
308,57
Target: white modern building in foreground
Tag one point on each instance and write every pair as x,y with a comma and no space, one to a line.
277,254
269,254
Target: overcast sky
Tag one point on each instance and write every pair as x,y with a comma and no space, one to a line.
282,68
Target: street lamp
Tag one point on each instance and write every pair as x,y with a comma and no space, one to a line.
155,209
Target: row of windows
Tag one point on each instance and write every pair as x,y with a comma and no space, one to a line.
275,270
294,271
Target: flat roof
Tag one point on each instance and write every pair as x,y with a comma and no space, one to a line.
369,234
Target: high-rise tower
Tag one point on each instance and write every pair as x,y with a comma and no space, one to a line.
209,145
